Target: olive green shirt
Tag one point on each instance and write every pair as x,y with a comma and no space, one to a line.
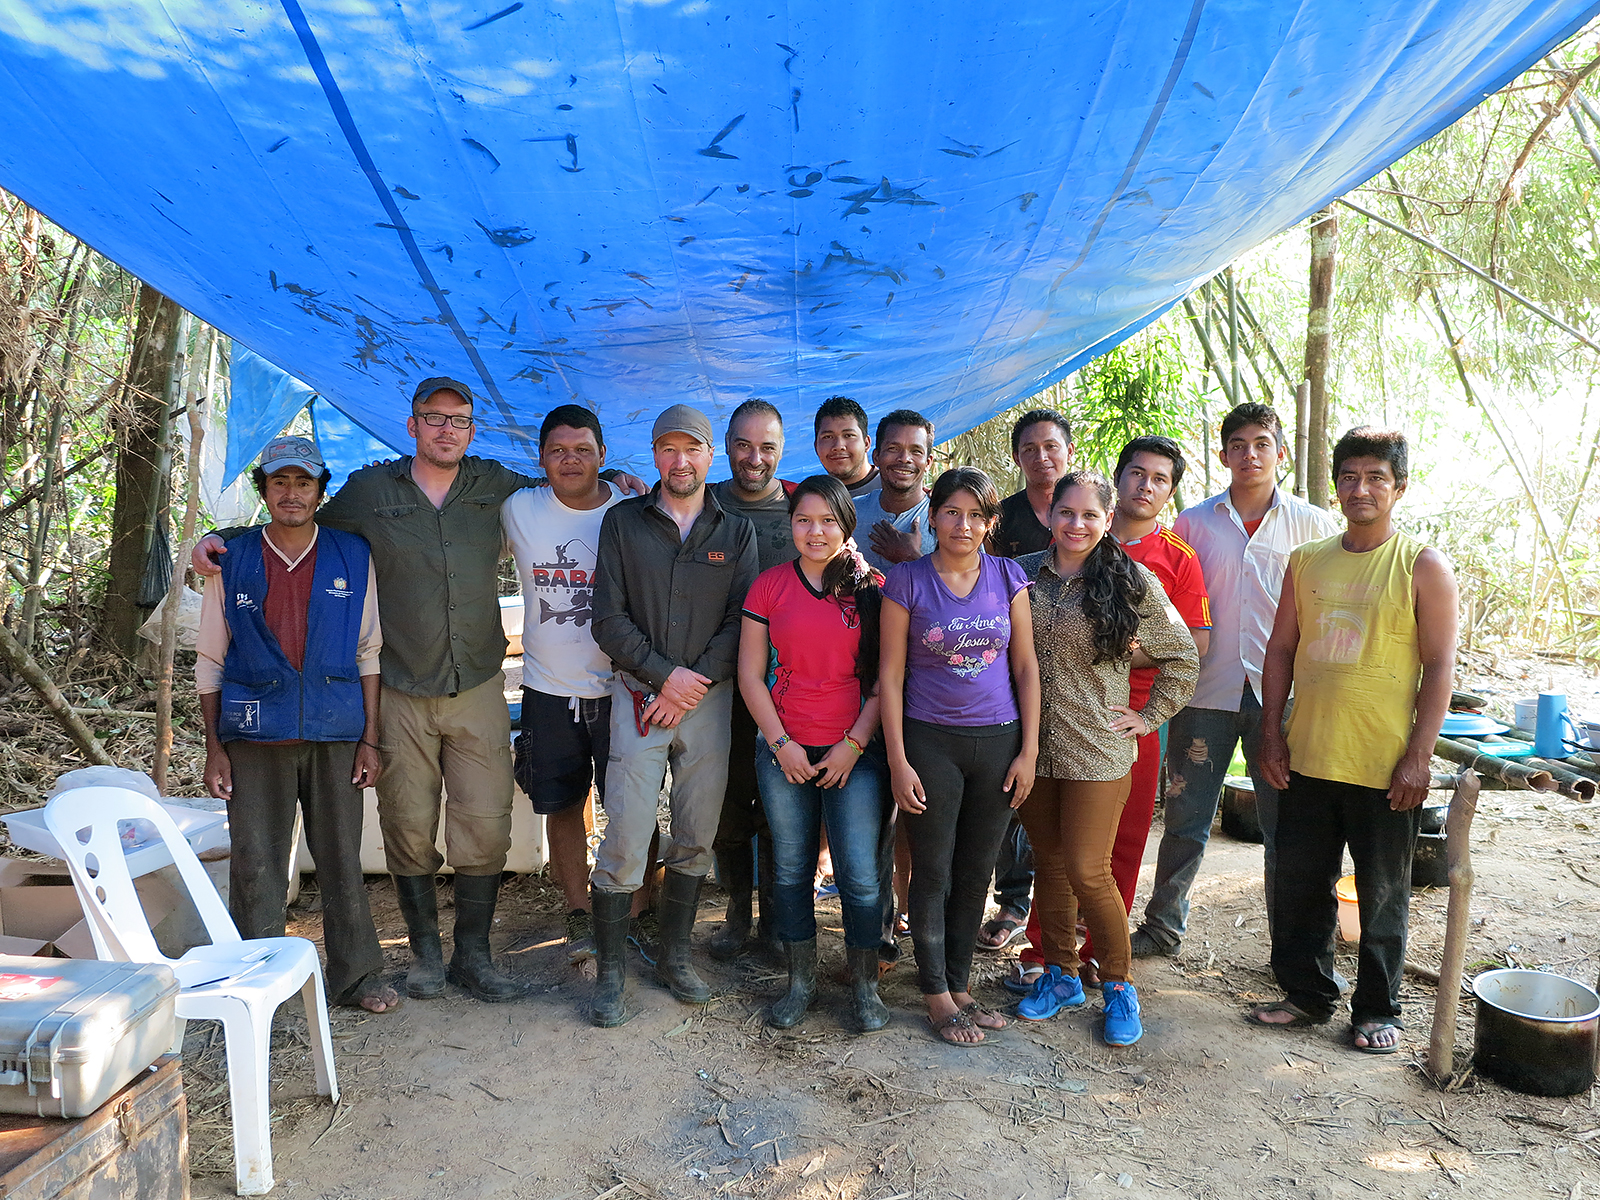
437,568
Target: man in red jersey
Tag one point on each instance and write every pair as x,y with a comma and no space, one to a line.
1149,470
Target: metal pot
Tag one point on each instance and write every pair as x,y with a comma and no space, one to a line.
1537,1032
1239,817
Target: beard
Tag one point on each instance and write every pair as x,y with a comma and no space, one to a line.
682,487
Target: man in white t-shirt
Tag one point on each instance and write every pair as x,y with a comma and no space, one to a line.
892,524
554,533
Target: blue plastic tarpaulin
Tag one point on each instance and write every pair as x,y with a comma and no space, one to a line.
935,204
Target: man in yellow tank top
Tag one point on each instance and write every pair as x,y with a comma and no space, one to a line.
1366,635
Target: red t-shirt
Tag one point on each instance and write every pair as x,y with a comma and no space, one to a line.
1174,562
812,667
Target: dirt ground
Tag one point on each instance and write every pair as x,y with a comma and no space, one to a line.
458,1098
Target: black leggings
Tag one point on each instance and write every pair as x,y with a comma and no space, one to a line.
954,841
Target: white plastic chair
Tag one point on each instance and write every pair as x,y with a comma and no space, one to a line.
240,983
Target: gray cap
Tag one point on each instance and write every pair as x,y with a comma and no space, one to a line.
682,418
440,383
291,452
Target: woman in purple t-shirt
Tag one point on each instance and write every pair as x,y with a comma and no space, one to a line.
959,685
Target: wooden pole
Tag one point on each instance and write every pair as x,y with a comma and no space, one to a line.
1302,435
169,612
1458,849
18,659
1319,323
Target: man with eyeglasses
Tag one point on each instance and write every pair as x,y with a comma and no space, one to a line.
433,521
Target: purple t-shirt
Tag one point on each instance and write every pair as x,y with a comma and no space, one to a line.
957,668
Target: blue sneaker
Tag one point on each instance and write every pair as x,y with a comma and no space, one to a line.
1053,992
1122,1014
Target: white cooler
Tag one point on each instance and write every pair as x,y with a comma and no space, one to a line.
74,1031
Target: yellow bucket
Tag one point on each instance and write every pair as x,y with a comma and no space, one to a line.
1349,913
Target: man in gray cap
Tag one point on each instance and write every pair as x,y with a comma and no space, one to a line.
287,672
671,575
433,520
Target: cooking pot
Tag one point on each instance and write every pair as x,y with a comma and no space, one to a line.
1537,1032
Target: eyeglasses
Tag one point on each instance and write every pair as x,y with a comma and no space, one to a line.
437,420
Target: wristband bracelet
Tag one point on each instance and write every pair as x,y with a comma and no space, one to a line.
855,745
781,743
364,742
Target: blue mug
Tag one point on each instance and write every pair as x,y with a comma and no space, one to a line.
1552,726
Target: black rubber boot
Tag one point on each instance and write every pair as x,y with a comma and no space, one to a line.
791,1006
471,967
419,905
872,1014
675,909
737,873
610,910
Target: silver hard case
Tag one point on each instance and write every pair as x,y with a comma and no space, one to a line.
73,1031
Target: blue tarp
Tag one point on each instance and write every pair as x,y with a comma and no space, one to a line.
931,203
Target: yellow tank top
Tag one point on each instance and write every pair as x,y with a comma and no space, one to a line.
1357,667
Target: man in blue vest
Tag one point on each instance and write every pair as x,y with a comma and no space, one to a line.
287,672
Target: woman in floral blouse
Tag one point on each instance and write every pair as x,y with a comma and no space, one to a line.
1094,608
959,687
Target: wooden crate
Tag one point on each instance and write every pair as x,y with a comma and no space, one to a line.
134,1147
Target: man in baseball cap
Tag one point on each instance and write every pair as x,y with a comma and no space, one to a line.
287,673
671,577
291,452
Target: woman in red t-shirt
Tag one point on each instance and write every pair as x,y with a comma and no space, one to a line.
808,668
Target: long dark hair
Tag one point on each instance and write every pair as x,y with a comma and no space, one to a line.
847,575
968,479
1113,586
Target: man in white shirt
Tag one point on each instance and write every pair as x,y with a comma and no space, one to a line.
554,533
1243,537
892,523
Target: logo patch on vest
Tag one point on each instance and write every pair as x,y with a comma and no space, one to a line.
242,600
245,715
340,589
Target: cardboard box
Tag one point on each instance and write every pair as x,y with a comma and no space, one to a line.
44,915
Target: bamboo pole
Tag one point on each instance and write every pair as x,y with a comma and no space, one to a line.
169,612
1302,415
1272,351
1233,333
1479,272
1212,360
1319,348
1514,774
22,663
1458,850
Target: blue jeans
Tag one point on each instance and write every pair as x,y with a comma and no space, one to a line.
1200,744
1013,870
795,815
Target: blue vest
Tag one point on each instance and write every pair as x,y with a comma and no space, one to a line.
264,699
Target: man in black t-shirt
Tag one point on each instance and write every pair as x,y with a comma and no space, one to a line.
1041,446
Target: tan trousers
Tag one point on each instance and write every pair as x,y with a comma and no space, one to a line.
1073,827
462,742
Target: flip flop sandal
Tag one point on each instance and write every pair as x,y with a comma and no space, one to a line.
1301,1018
1367,1030
956,1020
1008,927
974,1010
1022,978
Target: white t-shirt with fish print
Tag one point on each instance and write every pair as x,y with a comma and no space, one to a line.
555,549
